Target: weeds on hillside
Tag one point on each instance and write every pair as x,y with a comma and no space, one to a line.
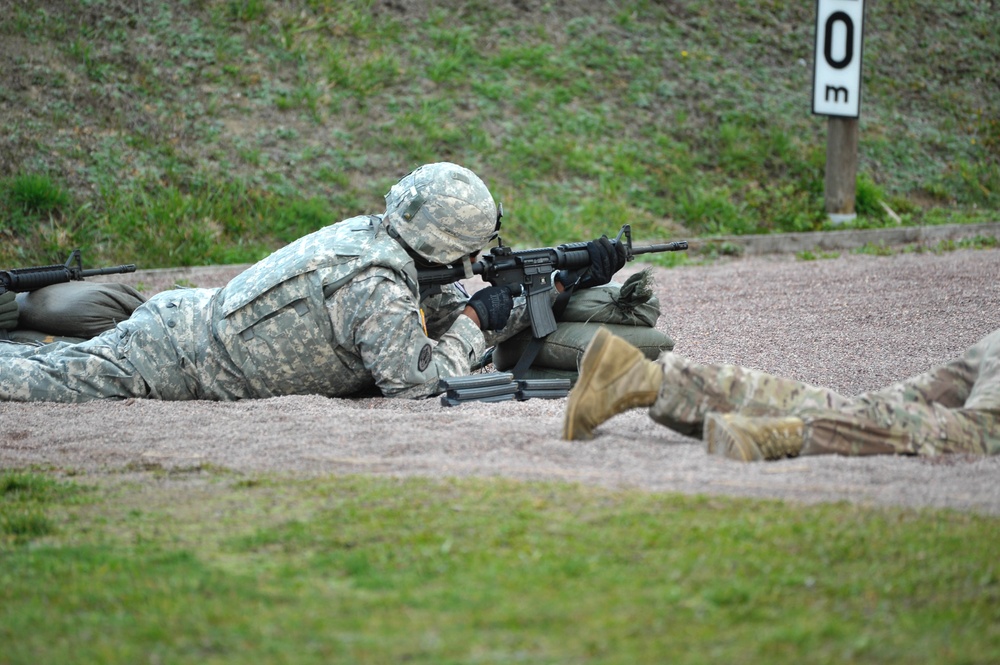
685,120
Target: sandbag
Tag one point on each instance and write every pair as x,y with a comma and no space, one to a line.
631,303
628,310
564,347
77,309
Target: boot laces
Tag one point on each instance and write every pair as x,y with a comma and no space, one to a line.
777,443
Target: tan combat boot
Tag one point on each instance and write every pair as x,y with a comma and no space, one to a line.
614,377
749,439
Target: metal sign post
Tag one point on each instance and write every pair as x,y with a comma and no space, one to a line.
837,94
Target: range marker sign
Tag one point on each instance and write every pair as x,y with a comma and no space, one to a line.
837,68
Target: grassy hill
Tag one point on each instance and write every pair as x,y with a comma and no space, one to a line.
213,131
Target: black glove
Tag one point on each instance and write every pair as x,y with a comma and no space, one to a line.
492,306
8,310
606,258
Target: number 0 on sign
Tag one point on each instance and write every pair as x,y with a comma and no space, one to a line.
837,69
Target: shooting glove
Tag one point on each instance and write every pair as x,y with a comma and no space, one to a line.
8,310
493,306
606,258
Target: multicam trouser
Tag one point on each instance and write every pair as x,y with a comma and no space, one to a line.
953,408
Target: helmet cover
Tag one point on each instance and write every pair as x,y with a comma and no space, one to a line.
442,212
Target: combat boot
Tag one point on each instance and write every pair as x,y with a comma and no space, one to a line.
749,439
614,377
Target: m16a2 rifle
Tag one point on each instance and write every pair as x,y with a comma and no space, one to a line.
32,279
529,272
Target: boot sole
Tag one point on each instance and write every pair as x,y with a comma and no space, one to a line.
590,359
721,440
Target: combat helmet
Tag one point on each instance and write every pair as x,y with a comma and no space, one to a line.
442,212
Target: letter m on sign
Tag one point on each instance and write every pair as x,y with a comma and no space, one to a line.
837,64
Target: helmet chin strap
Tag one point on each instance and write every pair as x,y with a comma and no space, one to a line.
465,261
394,234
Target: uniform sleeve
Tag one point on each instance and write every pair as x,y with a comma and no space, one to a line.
377,318
442,304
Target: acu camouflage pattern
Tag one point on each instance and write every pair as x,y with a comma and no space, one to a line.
442,211
334,313
952,408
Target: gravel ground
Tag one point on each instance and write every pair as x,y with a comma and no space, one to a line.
853,323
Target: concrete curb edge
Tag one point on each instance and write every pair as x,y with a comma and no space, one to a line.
790,243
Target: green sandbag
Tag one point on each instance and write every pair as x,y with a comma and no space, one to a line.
564,347
631,303
628,310
77,309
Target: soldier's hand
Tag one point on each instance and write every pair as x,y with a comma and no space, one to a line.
606,258
492,307
8,310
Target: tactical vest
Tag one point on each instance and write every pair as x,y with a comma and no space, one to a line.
272,318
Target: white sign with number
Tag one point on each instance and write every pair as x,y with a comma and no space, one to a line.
837,69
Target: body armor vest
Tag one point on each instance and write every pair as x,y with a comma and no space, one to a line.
272,318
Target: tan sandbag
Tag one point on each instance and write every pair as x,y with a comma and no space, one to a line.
564,347
77,309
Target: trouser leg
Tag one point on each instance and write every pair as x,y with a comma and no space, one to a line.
921,415
95,369
11,349
908,417
690,390
877,427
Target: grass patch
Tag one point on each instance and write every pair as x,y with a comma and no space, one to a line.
975,242
214,568
212,131
24,499
810,255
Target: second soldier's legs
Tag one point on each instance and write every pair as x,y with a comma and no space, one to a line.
690,391
876,427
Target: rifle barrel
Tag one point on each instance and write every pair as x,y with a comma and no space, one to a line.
677,246
113,270
32,279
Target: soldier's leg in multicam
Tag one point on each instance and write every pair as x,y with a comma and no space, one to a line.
690,391
95,369
902,429
923,415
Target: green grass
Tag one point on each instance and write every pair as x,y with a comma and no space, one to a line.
23,499
809,255
218,129
207,566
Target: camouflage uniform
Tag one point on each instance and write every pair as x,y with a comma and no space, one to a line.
953,408
335,313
